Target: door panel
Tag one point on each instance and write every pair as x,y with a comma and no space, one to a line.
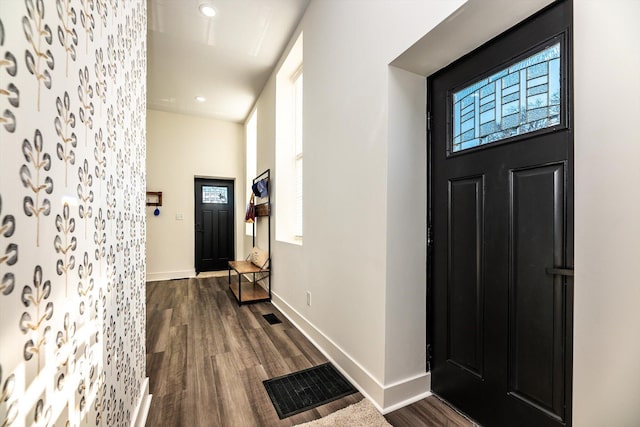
224,247
214,220
465,273
207,237
536,323
501,215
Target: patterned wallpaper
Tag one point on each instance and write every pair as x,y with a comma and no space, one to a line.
72,220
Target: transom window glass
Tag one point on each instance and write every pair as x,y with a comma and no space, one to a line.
522,98
214,194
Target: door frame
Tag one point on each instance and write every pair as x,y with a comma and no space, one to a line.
568,91
195,214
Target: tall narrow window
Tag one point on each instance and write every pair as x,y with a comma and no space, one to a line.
251,141
289,135
297,89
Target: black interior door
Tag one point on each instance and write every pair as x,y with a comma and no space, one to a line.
214,233
501,215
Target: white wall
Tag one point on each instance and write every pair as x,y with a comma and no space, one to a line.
406,292
180,148
343,260
607,204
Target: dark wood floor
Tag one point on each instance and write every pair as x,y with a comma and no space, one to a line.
207,358
427,412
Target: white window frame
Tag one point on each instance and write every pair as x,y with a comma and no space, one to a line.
297,81
251,158
288,208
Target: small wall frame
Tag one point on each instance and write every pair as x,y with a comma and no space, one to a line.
154,198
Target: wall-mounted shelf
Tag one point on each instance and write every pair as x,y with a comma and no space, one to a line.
263,209
154,198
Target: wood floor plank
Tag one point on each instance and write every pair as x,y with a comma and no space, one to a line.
248,319
235,336
164,297
205,318
154,365
201,397
176,366
234,405
306,348
430,411
281,341
217,340
264,411
171,404
298,363
158,331
180,307
226,303
267,354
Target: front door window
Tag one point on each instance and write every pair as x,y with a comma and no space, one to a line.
520,98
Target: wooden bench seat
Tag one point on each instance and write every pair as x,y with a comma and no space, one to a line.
249,291
245,267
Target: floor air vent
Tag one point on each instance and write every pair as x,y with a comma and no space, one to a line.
304,390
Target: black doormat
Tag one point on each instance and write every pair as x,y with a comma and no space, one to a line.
304,390
271,318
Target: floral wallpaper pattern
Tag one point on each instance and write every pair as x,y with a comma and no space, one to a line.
72,220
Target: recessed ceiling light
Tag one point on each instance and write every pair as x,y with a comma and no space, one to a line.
200,98
207,10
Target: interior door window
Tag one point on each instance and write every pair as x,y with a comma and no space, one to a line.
211,194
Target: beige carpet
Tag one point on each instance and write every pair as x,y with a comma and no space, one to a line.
361,414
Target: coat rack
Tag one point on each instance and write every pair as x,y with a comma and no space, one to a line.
154,198
250,291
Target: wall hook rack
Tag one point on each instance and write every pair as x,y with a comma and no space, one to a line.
154,198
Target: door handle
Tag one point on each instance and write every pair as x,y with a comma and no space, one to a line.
560,271
199,228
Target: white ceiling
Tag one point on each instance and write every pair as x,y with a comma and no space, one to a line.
227,59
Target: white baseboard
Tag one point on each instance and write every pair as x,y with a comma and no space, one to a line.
170,275
386,398
139,416
406,392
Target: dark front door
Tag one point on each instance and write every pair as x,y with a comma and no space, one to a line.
214,224
501,212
